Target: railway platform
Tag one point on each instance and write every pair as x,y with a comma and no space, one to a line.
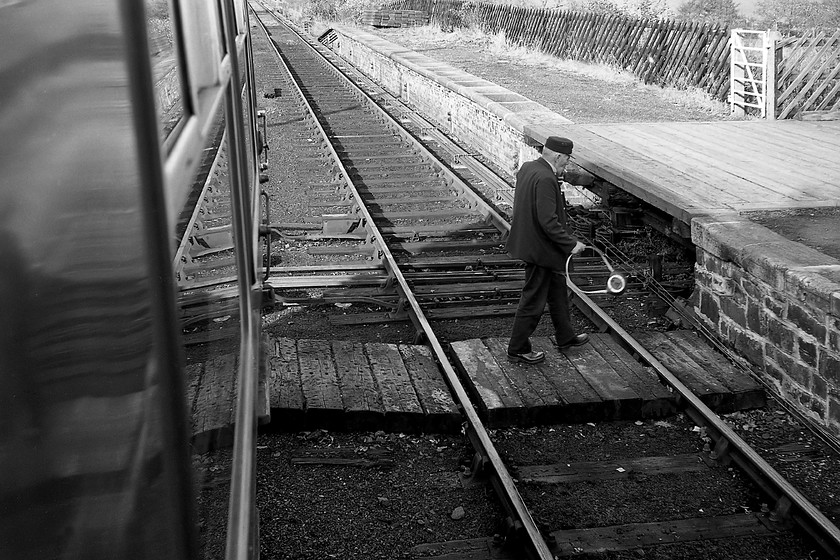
309,384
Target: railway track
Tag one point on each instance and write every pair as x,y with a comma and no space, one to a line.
394,198
444,233
440,247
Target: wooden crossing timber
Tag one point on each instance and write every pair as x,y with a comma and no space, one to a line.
597,381
703,370
309,384
211,397
312,384
353,385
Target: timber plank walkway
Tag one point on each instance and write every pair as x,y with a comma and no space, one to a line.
689,169
597,381
308,384
349,385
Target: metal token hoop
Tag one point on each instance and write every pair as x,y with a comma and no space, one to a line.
616,283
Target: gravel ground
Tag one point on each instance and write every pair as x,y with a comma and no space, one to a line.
381,511
719,491
414,492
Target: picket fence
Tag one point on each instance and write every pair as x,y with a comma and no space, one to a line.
658,51
394,18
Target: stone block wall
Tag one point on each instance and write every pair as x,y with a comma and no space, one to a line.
777,303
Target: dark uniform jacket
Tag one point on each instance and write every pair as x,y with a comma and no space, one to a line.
538,232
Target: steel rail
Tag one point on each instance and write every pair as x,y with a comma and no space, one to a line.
712,338
536,546
728,442
478,206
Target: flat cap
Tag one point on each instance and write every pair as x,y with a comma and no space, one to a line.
559,145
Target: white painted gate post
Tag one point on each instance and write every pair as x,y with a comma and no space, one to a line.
770,86
737,73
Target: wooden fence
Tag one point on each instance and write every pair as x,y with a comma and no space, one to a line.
808,76
663,52
394,18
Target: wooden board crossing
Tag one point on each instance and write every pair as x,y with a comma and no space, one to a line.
310,384
705,371
596,381
211,398
357,386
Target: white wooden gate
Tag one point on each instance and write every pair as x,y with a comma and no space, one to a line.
752,89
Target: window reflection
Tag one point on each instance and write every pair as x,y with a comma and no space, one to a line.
164,65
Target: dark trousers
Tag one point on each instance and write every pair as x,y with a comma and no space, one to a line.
542,286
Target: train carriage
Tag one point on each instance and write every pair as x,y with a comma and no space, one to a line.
94,169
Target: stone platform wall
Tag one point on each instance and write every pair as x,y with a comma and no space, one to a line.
777,302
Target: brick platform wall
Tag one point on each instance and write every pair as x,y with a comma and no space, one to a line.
777,303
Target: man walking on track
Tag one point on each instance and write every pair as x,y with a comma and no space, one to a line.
538,236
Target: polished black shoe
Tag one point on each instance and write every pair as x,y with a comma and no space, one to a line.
578,340
528,357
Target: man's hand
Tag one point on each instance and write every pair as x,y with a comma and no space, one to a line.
578,248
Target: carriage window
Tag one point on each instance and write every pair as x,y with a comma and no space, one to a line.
164,65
